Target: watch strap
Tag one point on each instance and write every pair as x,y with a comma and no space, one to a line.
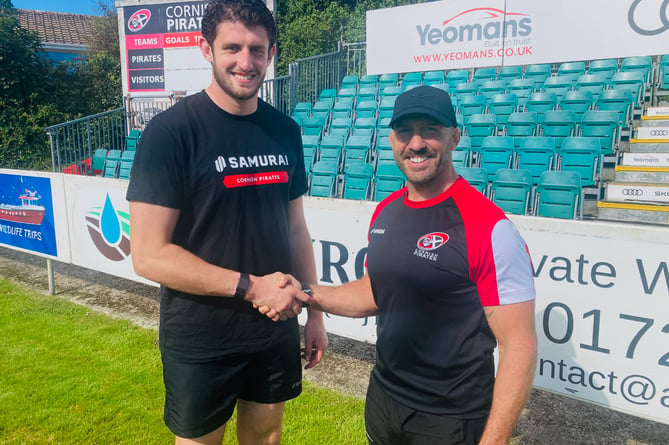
242,286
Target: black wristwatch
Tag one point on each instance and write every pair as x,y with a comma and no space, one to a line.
306,288
242,286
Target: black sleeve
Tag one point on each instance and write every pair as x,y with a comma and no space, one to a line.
157,172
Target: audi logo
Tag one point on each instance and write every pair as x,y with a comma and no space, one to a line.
649,32
632,192
661,132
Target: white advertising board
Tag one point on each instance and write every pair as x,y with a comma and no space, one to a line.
603,314
658,111
646,159
33,217
338,229
99,221
602,308
637,192
463,34
661,133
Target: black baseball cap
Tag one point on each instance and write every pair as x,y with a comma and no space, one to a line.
428,101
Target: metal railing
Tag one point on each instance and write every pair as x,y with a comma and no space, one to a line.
73,143
277,92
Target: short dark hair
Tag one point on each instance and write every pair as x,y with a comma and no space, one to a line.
248,12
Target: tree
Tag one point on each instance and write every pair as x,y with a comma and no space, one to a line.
36,93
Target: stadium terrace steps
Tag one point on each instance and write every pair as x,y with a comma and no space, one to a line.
640,191
644,213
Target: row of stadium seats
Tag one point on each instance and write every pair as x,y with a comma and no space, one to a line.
502,105
535,154
359,180
366,139
652,73
557,194
113,163
117,163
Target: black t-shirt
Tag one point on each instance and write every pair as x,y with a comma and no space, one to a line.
232,178
433,265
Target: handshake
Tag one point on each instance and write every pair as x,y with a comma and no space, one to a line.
278,296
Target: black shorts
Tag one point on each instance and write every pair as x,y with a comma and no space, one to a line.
390,423
200,395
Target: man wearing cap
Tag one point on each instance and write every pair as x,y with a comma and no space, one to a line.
449,278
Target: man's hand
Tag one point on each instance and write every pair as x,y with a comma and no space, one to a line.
315,339
275,295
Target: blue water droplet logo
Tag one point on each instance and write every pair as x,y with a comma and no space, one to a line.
110,226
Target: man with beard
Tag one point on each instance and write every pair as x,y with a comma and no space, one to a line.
215,211
449,278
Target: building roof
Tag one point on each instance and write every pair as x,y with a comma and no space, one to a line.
58,27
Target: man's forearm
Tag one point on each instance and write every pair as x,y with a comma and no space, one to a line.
352,299
513,384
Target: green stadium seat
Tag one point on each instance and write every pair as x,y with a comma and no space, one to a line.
663,73
472,105
502,105
367,94
490,88
594,83
387,106
584,156
577,102
483,74
476,177
388,178
538,73
388,80
540,103
388,91
536,154
328,93
558,124
367,108
641,64
124,168
323,180
349,81
480,126
496,152
509,73
434,78
522,88
357,181
633,81
369,80
511,190
99,156
558,195
558,85
413,78
520,125
620,101
455,77
572,70
603,125
465,89
604,67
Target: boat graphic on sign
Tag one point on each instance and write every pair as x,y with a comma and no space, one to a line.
29,212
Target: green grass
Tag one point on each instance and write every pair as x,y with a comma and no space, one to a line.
69,375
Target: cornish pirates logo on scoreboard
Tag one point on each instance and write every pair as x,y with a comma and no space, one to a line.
139,20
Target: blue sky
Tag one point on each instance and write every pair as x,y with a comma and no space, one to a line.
72,6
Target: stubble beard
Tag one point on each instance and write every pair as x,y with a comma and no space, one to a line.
237,94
